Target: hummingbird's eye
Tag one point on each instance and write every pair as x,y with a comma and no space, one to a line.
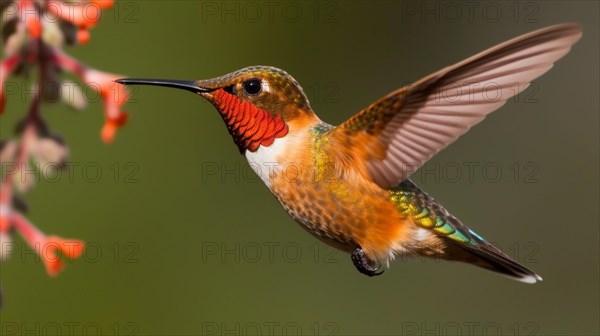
253,86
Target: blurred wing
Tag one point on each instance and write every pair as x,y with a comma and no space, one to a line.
397,134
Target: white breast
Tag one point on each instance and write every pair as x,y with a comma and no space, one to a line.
266,161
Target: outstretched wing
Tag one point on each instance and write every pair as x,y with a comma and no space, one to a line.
397,134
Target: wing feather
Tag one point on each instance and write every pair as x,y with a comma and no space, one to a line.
410,125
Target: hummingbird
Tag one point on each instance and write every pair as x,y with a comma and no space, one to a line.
349,185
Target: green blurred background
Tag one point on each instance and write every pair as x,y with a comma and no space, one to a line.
177,248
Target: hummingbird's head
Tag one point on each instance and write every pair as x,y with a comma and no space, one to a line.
257,103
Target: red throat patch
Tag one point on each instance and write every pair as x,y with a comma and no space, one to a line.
249,125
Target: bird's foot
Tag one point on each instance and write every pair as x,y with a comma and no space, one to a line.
363,264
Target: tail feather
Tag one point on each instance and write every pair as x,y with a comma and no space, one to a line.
487,256
460,242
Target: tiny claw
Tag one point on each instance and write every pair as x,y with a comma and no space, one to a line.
363,264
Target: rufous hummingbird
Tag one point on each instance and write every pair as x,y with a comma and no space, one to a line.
349,185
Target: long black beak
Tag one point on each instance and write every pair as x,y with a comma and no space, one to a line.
178,84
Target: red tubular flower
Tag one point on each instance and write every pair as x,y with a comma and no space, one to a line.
110,127
47,246
113,94
6,68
